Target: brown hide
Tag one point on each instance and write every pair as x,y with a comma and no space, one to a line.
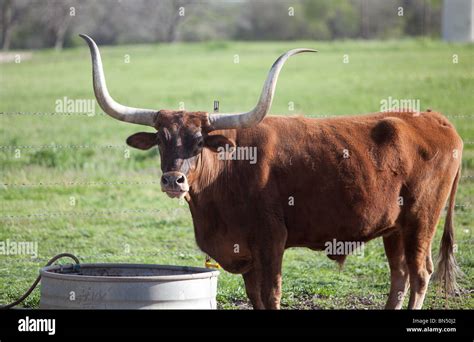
348,179
345,176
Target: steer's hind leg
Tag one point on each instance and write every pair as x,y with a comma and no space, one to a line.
395,252
417,242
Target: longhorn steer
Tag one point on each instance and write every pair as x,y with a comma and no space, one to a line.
351,179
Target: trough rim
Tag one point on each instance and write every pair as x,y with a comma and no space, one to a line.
201,273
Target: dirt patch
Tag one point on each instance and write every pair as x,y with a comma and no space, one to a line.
311,303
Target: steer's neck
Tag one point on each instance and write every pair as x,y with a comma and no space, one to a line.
211,172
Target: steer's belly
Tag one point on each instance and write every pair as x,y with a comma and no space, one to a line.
314,225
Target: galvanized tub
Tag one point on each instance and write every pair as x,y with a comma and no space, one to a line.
127,286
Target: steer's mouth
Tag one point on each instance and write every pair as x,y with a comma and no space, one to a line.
175,184
175,193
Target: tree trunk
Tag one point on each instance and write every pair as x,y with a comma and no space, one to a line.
364,19
171,35
427,19
7,24
60,32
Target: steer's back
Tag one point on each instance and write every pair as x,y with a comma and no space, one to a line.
348,177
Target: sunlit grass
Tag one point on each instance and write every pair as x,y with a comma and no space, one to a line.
163,76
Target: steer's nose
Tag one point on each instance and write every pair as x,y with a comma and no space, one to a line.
174,183
173,179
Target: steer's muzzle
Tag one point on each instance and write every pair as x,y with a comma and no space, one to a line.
175,184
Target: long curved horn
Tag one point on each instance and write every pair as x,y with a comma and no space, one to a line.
107,103
248,119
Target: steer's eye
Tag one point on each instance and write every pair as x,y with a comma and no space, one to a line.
200,144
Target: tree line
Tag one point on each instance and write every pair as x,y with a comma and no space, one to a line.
34,24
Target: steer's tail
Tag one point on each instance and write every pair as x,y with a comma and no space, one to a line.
447,270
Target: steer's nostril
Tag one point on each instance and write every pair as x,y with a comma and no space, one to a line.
164,180
180,180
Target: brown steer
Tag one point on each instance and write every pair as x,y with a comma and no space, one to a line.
346,179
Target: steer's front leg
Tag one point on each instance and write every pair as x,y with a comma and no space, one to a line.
268,262
271,280
253,288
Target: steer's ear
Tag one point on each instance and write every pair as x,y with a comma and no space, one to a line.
213,142
142,140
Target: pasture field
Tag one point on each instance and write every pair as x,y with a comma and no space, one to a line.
70,184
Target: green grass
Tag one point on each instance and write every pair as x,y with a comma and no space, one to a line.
161,76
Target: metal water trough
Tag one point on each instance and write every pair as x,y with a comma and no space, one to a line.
127,286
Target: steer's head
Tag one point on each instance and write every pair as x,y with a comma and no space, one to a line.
182,136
